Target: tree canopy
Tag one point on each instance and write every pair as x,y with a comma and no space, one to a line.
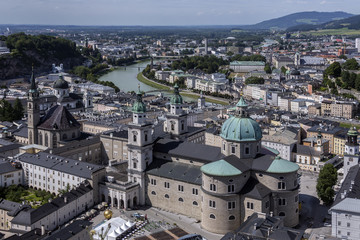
11,113
333,70
254,80
326,180
351,64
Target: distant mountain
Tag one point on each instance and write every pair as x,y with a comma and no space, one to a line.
300,18
350,23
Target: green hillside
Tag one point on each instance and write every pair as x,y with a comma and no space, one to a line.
41,51
300,18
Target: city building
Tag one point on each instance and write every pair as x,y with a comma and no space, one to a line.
10,174
246,66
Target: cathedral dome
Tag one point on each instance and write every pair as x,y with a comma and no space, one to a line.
241,130
61,83
176,98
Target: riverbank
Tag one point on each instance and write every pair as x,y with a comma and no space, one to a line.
154,84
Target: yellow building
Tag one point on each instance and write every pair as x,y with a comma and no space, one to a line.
339,143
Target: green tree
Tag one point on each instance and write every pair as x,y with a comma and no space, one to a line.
351,64
333,70
18,110
267,68
326,180
283,70
254,80
357,82
343,57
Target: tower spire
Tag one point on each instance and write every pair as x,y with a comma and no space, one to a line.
33,84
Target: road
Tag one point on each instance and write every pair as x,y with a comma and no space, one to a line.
313,213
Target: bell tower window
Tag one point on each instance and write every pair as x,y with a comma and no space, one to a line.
247,150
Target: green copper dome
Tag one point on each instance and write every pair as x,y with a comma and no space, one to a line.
280,165
241,130
220,168
139,106
176,98
61,83
241,103
352,132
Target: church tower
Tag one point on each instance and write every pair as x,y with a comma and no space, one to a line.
201,101
140,146
351,153
33,111
176,121
87,101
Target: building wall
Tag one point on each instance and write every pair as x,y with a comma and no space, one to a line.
5,220
11,178
345,225
114,148
185,199
212,139
339,145
284,149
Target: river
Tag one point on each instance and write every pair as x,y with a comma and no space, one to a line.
125,79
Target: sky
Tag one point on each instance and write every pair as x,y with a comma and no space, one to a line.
160,12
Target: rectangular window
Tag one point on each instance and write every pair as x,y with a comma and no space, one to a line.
231,205
281,185
213,187
181,188
212,204
250,205
231,188
348,224
282,201
167,185
232,149
267,204
195,191
153,181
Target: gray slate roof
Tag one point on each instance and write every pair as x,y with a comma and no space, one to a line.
58,118
176,171
66,165
6,167
69,231
188,150
351,185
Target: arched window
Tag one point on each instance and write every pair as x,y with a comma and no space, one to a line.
212,216
46,140
153,193
40,139
89,102
134,138
181,200
172,126
166,196
146,137
232,217
64,136
281,214
195,203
